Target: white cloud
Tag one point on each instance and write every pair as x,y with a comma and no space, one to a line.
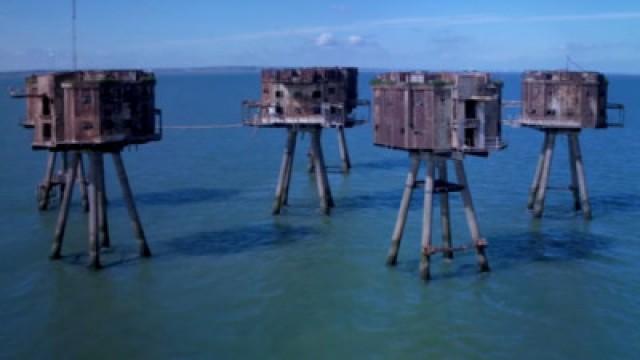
325,39
355,40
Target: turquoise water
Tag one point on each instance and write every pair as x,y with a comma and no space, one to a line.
228,280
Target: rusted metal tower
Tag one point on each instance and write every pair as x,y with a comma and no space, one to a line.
41,108
94,113
437,118
306,100
564,103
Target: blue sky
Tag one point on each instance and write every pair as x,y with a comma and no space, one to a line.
426,34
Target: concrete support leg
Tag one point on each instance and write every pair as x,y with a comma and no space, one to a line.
392,258
425,254
103,223
582,183
444,211
324,191
470,214
538,207
536,178
82,182
285,169
63,214
287,184
574,175
131,206
312,167
44,189
94,245
61,173
344,150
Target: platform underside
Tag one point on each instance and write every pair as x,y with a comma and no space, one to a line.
443,153
111,146
303,124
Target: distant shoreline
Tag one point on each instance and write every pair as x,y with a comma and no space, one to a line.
257,69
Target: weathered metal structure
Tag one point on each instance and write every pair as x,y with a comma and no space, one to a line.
563,103
90,108
306,100
438,117
92,113
441,112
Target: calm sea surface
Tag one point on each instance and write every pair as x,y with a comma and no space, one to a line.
228,280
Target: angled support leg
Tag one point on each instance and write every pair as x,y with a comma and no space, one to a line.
312,167
284,171
131,206
83,185
287,184
103,223
538,207
94,244
536,178
582,183
392,258
425,254
472,220
444,211
44,189
63,214
344,150
574,175
62,173
326,201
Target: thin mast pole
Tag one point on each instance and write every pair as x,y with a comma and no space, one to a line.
73,36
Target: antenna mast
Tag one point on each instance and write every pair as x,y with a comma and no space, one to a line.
73,36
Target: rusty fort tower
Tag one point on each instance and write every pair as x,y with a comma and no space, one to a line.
41,109
306,100
563,103
437,118
93,113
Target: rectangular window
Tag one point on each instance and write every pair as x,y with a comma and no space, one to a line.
470,137
46,132
470,109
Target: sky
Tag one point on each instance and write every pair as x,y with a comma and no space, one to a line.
493,35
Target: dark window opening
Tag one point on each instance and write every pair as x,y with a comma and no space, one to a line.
470,109
279,109
317,110
108,125
46,106
86,126
551,112
470,137
279,94
334,110
332,91
317,94
46,131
